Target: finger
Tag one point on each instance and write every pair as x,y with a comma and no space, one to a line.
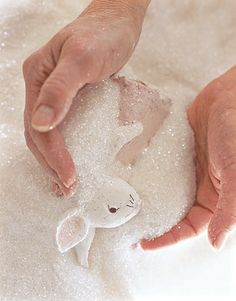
52,146
56,94
58,188
223,222
193,224
38,156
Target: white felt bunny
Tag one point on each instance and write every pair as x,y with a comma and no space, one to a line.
114,203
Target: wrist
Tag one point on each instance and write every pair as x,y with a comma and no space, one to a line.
132,10
136,7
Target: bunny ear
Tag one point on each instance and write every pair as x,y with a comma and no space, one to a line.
82,249
125,134
71,230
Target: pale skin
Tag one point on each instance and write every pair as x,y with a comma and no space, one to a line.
95,46
91,48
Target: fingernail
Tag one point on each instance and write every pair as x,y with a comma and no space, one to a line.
69,182
136,246
69,192
43,118
219,242
72,190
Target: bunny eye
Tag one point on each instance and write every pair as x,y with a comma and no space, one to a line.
112,209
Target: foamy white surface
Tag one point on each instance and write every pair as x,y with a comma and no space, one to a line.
182,47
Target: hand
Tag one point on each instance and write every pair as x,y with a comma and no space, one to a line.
212,117
91,48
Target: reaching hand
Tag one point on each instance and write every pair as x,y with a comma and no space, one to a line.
91,48
212,117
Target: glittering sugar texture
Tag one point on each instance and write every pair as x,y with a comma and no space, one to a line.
103,118
91,129
182,47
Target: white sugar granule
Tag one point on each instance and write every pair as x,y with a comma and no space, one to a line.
164,176
182,47
30,228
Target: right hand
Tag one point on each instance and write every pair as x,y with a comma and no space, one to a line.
212,116
90,49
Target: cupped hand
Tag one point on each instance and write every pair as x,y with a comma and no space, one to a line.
212,117
91,48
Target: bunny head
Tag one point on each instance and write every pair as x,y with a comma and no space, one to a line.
115,203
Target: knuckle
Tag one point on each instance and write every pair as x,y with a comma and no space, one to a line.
29,64
95,65
79,49
84,54
56,88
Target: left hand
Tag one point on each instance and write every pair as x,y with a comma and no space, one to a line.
91,48
212,117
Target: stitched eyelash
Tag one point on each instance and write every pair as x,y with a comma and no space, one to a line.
131,201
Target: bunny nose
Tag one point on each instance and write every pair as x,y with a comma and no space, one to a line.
113,210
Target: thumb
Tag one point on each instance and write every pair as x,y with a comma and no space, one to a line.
56,94
223,222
